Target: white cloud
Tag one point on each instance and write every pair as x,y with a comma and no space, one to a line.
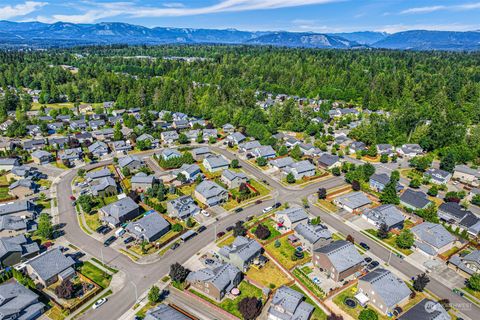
20,10
95,11
428,9
432,27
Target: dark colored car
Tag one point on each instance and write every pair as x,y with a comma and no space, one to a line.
220,234
368,259
364,246
109,241
258,201
175,246
229,228
238,210
100,229
201,229
249,218
276,205
373,265
72,198
128,240
266,182
77,255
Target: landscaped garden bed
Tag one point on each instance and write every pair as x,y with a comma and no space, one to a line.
284,253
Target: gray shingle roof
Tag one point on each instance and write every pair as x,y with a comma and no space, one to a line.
221,277
264,151
281,162
387,213
125,161
426,310
103,183
452,209
232,175
328,160
342,254
120,208
387,285
416,199
148,226
216,161
18,301
433,234
288,304
313,233
99,174
294,214
142,177
50,263
12,223
242,247
18,206
354,200
19,244
165,312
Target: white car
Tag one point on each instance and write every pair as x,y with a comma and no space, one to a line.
267,209
205,213
99,302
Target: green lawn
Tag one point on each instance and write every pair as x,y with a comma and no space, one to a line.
95,274
261,188
474,293
390,241
47,204
4,193
45,183
318,313
3,180
268,275
92,220
229,305
270,224
107,200
284,253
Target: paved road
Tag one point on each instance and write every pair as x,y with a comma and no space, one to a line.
143,276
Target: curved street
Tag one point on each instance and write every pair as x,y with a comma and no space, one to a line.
142,276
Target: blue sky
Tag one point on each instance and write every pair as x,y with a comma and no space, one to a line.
292,15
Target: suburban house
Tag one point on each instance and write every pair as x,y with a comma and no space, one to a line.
233,179
71,155
189,171
432,238
168,154
357,146
415,200
183,207
409,150
22,208
165,312
266,152
249,146
21,172
210,193
352,201
236,138
22,188
281,163
309,149
148,228
426,310
41,157
215,282
387,214
133,163
154,143
12,226
312,237
169,136
466,175
34,144
385,149
98,149
19,302
6,164
104,187
338,259
384,290
452,212
209,133
50,266
228,128
98,174
142,181
378,182
291,217
201,153
300,169
241,253
329,161
466,265
215,163
291,142
120,211
289,304
121,146
438,176
180,124
16,249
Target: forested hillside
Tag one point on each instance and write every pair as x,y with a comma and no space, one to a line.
433,97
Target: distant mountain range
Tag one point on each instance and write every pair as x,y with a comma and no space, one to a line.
61,34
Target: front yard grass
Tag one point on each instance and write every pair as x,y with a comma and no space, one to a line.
45,183
327,205
3,180
284,253
92,220
261,188
474,293
188,190
95,274
318,313
226,241
148,249
229,305
268,275
4,195
390,241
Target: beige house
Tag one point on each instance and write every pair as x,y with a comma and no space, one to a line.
466,175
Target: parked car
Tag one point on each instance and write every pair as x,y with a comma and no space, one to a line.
73,198
277,205
229,228
175,246
109,241
249,218
258,201
205,213
128,240
373,265
267,209
98,303
201,229
364,246
220,234
266,182
368,259
238,210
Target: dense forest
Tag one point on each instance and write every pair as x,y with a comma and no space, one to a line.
433,97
